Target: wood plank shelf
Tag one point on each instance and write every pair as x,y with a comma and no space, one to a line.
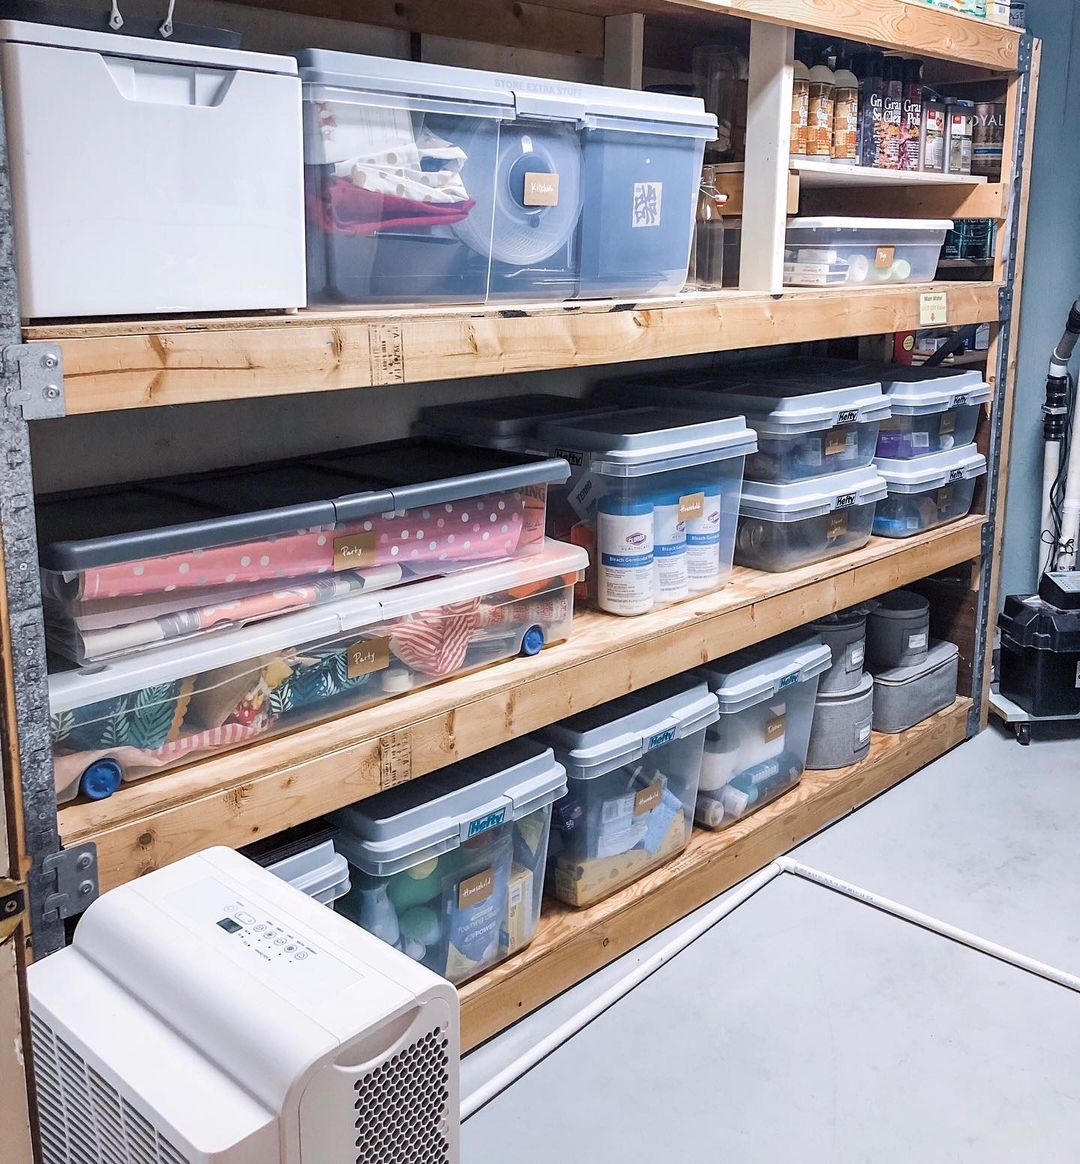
266,787
571,944
138,364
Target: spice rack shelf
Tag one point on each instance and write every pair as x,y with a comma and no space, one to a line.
828,175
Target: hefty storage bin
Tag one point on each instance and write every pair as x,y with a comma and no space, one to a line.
844,633
826,252
933,409
151,176
655,492
757,749
783,527
1040,656
305,857
426,182
152,711
842,722
450,868
632,770
509,422
131,566
927,491
905,696
898,630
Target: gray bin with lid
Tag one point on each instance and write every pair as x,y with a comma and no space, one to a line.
632,768
844,633
450,868
842,726
905,696
898,630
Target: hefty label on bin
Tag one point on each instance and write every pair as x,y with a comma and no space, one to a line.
788,680
491,820
659,739
956,474
843,500
849,416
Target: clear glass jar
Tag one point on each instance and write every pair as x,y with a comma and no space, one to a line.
706,271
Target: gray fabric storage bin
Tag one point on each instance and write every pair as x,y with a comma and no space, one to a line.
841,732
898,630
844,633
905,696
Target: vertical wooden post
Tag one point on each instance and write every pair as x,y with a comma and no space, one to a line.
624,47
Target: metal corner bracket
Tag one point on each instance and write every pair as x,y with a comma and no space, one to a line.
1024,52
76,880
38,369
1005,301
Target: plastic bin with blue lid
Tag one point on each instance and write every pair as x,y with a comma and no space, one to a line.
782,527
508,422
862,252
756,750
432,183
933,409
132,566
655,493
927,491
149,712
632,768
450,868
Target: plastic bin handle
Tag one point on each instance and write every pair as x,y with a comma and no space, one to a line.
197,87
550,106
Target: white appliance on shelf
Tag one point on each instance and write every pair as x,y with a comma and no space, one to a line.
210,1013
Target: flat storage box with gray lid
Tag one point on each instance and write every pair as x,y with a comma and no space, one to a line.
756,750
305,857
905,696
927,491
450,868
933,409
654,493
508,422
172,168
862,252
783,527
842,726
632,768
898,630
844,633
430,183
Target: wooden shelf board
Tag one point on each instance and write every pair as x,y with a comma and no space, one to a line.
235,798
141,363
815,174
571,944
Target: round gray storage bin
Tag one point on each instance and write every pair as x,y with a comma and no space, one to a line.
844,633
898,630
841,731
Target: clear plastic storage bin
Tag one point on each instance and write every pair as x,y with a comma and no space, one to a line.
933,409
927,491
756,750
783,527
431,183
826,252
132,566
507,422
149,712
450,868
632,769
305,857
654,492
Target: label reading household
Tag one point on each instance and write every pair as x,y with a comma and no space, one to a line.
836,441
366,656
837,525
691,506
646,207
774,727
883,257
354,550
541,190
933,309
648,798
473,890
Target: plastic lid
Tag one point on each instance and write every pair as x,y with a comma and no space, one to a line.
1030,622
853,616
503,423
866,684
932,471
98,681
913,391
900,604
779,408
811,497
320,872
939,654
414,822
906,224
606,737
759,672
630,441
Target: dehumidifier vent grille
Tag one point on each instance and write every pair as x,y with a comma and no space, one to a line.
401,1106
83,1118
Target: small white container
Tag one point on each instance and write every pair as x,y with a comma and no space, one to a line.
933,410
150,176
782,527
848,252
927,491
756,750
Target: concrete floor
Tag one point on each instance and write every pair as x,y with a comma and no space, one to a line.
810,1027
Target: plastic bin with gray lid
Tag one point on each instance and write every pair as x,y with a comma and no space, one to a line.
842,726
844,633
509,422
450,868
757,749
933,410
782,527
926,492
305,857
632,768
905,696
898,630
432,183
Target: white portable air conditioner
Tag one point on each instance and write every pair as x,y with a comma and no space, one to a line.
210,1012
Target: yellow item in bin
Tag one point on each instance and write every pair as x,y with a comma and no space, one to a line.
423,870
520,923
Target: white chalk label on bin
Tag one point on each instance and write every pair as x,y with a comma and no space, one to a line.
541,190
862,732
855,657
837,525
917,642
774,728
648,798
837,441
476,889
648,200
367,655
691,506
933,309
947,424
354,550
883,257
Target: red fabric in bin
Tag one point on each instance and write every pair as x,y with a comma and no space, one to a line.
350,209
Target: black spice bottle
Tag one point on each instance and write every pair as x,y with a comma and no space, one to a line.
871,94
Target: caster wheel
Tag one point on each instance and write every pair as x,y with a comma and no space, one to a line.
532,641
1023,734
101,779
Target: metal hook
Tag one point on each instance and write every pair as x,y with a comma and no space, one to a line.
166,28
116,19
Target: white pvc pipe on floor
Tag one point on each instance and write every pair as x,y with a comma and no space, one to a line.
475,1100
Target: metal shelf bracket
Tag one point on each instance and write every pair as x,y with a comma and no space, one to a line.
74,873
37,371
